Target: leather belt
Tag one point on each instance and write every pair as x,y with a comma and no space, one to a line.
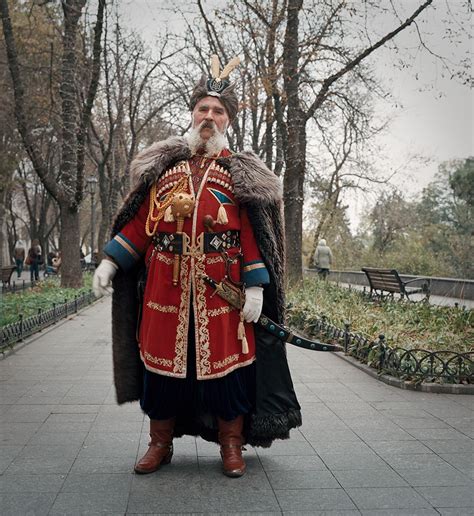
180,243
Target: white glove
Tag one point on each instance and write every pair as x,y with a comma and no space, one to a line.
253,304
102,280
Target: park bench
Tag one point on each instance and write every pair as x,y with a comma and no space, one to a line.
6,274
388,280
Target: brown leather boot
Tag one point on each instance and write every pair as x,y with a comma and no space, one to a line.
231,440
160,447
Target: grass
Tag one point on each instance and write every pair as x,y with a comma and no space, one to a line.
404,324
42,296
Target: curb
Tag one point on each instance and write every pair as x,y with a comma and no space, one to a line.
22,343
403,384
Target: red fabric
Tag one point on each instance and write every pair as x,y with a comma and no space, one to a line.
164,327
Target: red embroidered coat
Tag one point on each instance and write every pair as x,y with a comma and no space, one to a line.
163,333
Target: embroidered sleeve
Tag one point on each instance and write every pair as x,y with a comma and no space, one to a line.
254,270
131,243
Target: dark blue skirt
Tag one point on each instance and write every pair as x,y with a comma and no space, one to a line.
227,397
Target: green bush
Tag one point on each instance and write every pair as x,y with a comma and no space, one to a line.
404,324
41,296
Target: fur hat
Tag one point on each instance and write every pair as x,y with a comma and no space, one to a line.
218,86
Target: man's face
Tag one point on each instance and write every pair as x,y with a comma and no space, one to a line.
211,113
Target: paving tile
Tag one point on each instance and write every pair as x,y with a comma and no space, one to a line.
387,448
408,423
461,461
77,504
15,504
97,482
223,500
356,460
450,446
41,451
311,500
322,513
330,435
287,448
293,463
379,477
435,476
160,499
438,433
302,479
65,439
400,512
414,461
27,413
449,497
20,483
455,512
40,465
387,498
91,465
340,447
384,434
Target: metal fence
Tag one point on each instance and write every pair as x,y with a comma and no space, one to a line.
26,326
407,364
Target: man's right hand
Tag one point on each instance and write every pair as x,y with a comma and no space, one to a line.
103,275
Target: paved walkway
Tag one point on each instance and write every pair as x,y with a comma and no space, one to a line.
364,448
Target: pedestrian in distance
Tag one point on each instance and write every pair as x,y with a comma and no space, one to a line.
34,260
322,259
19,256
201,236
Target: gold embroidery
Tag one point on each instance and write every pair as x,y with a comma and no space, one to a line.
166,362
182,329
254,266
214,312
162,258
203,320
169,309
227,360
126,246
210,260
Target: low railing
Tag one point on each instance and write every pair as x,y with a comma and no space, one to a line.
416,365
26,326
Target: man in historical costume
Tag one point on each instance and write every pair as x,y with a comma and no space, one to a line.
200,216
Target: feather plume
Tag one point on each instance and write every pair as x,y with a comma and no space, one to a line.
229,67
215,66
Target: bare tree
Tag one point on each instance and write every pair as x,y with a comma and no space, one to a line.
67,190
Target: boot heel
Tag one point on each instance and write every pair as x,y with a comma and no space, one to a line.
168,458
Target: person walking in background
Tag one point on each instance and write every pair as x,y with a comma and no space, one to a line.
19,255
323,258
34,259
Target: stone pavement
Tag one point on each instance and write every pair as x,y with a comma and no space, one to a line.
364,448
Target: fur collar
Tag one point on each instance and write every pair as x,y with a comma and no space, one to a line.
253,181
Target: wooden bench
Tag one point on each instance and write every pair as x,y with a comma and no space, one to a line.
388,280
6,274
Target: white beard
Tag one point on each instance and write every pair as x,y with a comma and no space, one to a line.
213,146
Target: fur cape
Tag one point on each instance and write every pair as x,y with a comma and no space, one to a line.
259,190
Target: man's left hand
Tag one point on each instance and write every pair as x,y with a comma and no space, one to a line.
253,304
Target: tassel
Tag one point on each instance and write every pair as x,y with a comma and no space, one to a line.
241,335
168,215
222,215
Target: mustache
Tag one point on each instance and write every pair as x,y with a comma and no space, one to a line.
207,124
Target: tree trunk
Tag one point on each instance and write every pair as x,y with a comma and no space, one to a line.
296,150
71,273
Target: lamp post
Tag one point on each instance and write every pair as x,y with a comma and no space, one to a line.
91,189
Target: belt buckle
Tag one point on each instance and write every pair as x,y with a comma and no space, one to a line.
193,250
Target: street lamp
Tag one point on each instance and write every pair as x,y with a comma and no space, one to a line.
91,189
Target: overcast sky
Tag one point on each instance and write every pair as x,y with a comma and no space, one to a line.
432,116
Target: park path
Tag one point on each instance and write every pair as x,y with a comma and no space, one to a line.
364,447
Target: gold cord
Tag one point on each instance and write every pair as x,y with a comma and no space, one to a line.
161,207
